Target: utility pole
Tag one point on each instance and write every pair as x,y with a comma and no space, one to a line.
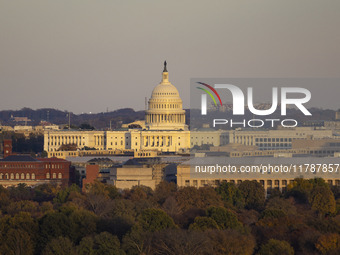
69,120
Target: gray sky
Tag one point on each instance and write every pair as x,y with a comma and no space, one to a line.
85,56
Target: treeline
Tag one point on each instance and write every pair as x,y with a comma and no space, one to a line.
97,120
231,219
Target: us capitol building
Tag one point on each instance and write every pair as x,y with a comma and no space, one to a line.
164,130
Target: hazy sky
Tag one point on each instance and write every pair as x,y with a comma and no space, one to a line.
85,56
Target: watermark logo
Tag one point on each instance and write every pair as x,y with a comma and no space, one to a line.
243,104
239,99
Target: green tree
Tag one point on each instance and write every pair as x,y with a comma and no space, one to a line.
45,192
44,154
105,243
20,192
86,126
53,225
85,246
253,193
230,194
18,242
59,246
203,223
322,200
274,247
300,189
285,205
63,194
22,221
223,217
154,220
23,206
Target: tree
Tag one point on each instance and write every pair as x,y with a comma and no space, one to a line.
253,193
274,247
85,223
44,154
154,220
63,194
137,193
164,190
170,206
204,197
118,225
223,217
231,242
20,192
24,221
328,243
86,126
286,205
179,242
203,223
53,225
45,192
300,189
322,200
101,205
85,246
105,243
18,242
23,206
59,246
230,194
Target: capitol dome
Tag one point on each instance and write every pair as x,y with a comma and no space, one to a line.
165,90
165,106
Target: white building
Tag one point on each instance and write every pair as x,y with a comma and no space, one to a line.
164,130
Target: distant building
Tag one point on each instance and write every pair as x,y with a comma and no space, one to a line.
186,171
92,173
132,173
19,119
23,128
15,169
7,147
163,130
144,171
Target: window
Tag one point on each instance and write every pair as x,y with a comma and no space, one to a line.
33,176
54,175
187,183
60,176
22,176
48,176
27,176
16,176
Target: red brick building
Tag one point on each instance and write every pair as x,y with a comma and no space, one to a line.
7,147
92,172
15,169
